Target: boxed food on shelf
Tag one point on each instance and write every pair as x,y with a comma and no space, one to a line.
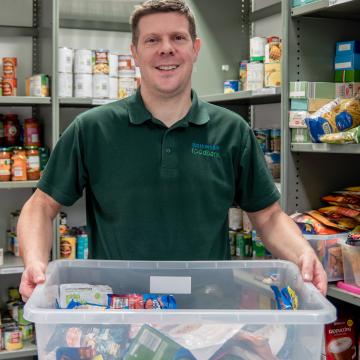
347,47
272,74
347,62
328,250
37,85
273,50
310,105
347,90
222,308
300,135
351,259
255,76
297,119
312,90
347,76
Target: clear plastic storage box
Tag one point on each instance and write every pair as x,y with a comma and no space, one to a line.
224,310
328,250
351,258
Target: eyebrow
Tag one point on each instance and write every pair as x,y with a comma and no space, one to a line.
185,33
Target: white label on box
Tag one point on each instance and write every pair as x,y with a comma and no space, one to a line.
297,93
264,91
337,2
170,284
344,47
343,65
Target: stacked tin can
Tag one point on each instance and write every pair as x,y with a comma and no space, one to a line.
65,72
8,81
83,78
127,76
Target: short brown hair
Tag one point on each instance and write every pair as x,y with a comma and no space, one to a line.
161,6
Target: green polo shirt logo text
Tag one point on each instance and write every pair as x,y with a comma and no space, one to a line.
205,150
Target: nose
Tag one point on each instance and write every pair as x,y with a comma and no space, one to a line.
166,48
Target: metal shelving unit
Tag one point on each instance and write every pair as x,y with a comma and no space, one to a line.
340,294
24,100
27,350
326,148
18,184
84,102
12,265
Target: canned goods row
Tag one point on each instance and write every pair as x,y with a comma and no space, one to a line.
269,139
246,245
96,86
86,61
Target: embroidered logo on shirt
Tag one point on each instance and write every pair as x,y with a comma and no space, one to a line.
208,150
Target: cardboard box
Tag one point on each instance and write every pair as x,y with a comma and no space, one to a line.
347,76
312,90
272,74
300,136
297,119
347,62
310,105
347,90
347,47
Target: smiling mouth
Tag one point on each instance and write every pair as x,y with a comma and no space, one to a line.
167,67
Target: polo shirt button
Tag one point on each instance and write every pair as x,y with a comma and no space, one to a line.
168,150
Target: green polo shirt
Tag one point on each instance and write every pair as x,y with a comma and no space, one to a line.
158,193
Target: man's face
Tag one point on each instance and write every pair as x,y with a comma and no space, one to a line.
165,53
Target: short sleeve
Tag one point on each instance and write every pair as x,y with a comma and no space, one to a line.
65,175
255,188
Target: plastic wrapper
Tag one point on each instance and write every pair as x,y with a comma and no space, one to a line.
285,298
336,221
141,301
351,136
316,225
337,116
350,201
342,211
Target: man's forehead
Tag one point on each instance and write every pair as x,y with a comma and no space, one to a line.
148,24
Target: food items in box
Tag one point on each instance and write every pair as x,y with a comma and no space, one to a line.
329,210
352,202
315,226
334,220
141,301
351,136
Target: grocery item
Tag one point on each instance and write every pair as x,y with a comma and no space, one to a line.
297,119
5,164
243,74
286,298
83,61
352,202
126,65
68,247
255,76
127,87
9,87
100,85
329,210
263,138
11,130
32,163
101,62
275,140
19,165
113,87
351,136
141,301
333,220
83,85
231,86
1,263
9,67
347,90
272,74
13,339
273,49
257,48
38,85
113,64
31,132
316,225
65,84
65,60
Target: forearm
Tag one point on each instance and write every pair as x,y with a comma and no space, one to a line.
280,235
35,229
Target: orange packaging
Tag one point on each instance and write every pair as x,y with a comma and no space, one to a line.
9,87
67,247
5,164
18,167
9,67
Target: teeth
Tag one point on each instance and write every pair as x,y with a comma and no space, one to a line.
169,67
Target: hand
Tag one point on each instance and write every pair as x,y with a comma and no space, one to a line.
33,274
312,270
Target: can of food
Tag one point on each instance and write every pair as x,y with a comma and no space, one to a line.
113,64
126,64
68,247
273,163
27,332
21,320
83,61
113,87
9,87
235,218
37,85
127,87
82,246
100,86
83,85
263,138
240,244
101,62
13,339
9,67
231,86
257,48
232,241
66,59
65,85
275,140
243,74
248,245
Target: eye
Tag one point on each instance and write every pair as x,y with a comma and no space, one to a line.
180,37
150,40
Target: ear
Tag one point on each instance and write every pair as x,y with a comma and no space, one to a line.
197,46
134,53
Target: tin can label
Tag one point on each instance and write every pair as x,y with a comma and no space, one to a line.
68,247
101,62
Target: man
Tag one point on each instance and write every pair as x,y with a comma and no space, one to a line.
161,168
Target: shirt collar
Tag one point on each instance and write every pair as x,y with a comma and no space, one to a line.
138,113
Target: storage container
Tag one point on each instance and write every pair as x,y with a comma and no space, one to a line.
222,308
328,249
351,259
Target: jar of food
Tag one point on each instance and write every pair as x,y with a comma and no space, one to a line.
31,132
2,135
18,166
11,130
5,164
32,163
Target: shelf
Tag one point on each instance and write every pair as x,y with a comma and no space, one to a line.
27,350
266,12
18,184
12,265
17,31
344,9
250,97
72,101
326,148
24,100
94,25
335,292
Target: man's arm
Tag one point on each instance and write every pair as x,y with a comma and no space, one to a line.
35,234
283,239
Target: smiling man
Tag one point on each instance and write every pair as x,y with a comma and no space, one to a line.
160,168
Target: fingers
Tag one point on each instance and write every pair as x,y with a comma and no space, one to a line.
32,276
307,267
321,278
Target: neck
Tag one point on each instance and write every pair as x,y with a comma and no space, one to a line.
168,110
